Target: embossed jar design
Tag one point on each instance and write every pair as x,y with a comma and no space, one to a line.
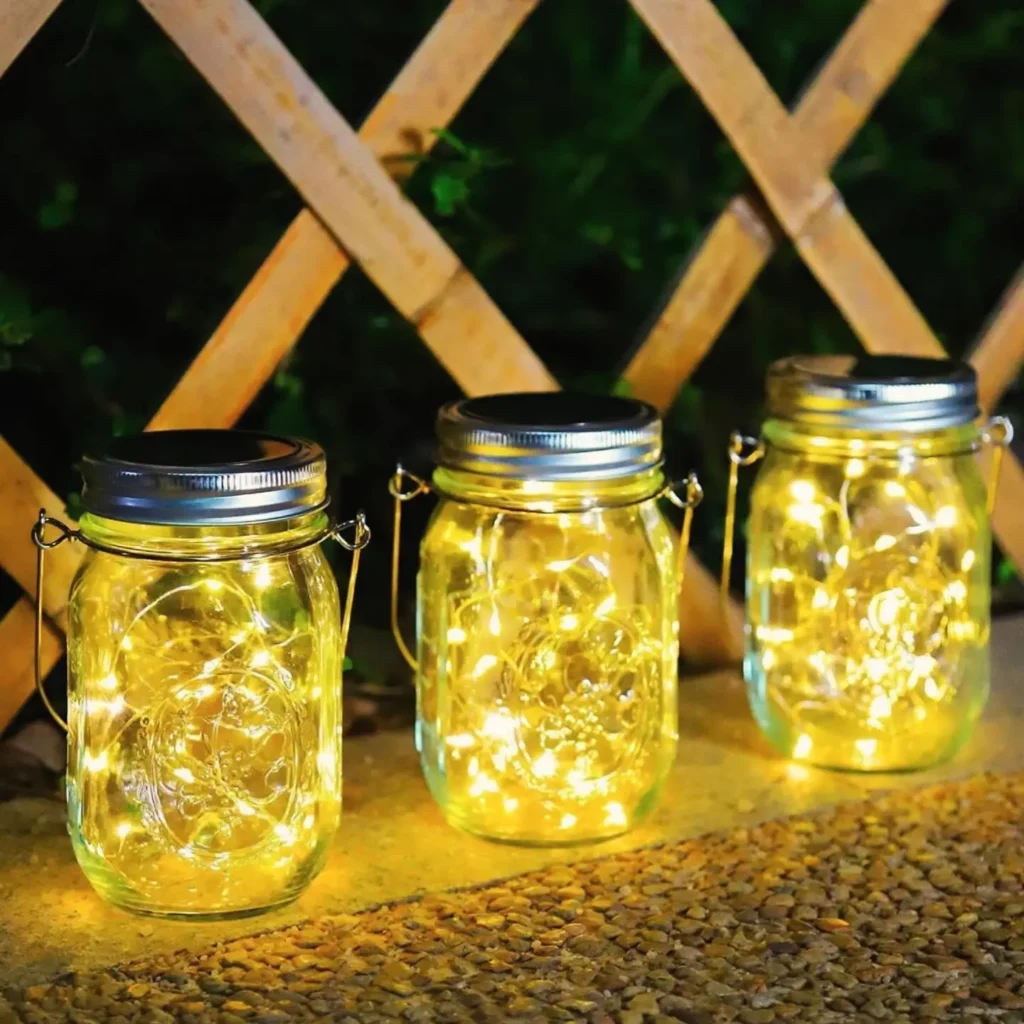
204,672
547,617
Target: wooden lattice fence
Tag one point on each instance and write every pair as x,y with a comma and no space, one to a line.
356,212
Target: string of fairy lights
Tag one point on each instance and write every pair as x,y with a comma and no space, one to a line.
547,700
861,621
202,773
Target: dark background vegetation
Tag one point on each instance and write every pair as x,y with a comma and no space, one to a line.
574,184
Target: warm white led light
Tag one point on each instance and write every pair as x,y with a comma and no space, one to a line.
545,765
484,664
802,490
615,814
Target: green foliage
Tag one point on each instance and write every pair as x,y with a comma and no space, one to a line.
59,210
575,184
15,322
1006,572
452,178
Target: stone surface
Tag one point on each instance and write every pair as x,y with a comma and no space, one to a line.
394,844
820,919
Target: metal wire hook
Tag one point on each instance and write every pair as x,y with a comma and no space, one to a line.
998,432
694,495
395,485
360,538
361,535
754,447
737,442
64,532
401,496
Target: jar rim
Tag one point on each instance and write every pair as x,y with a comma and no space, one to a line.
879,393
204,478
549,436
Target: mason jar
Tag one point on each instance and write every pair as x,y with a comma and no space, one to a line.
547,623
868,561
204,672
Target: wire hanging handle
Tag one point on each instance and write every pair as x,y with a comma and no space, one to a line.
403,487
998,432
360,538
743,451
692,496
64,532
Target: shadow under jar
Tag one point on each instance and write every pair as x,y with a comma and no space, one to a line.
547,617
204,673
868,561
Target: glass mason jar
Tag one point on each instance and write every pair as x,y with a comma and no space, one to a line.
868,561
547,617
204,672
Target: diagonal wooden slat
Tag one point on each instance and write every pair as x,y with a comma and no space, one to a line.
22,494
259,330
20,20
269,316
741,241
806,203
341,180
999,352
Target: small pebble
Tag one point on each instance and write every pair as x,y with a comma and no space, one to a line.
757,1016
833,924
645,1002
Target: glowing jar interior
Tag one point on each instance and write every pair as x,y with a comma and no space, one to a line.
204,767
868,595
548,645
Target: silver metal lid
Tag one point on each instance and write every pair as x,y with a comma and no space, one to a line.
880,393
204,478
549,436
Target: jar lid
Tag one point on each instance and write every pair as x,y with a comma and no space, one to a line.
550,435
880,393
204,478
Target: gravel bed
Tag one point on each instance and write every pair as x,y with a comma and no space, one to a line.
906,908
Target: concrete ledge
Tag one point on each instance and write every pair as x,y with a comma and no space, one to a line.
393,843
